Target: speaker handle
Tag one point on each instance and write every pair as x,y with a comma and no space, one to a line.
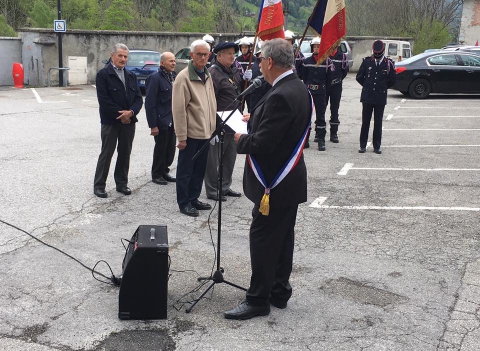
152,234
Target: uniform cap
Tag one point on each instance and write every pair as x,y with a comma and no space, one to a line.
378,48
225,45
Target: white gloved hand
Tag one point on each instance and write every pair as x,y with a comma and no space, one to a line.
248,74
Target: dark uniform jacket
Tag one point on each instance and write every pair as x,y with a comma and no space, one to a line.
227,84
113,96
254,97
158,100
276,125
315,77
375,80
244,60
340,63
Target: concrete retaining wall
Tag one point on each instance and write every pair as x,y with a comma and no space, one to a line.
10,52
40,48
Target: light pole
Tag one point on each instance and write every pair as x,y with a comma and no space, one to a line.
60,55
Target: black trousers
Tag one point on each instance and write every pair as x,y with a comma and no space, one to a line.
320,102
190,172
377,128
111,134
334,95
164,152
271,254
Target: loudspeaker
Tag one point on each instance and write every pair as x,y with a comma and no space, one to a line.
143,290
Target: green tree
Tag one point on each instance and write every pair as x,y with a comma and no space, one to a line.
41,15
5,29
119,16
433,35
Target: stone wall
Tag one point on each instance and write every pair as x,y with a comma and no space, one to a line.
40,48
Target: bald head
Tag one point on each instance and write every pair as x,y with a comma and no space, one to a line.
167,61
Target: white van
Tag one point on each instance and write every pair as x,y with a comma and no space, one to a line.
397,50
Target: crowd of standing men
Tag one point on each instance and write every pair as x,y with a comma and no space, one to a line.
183,109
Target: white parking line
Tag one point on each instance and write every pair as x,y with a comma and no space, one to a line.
398,208
318,202
396,116
431,129
349,166
418,146
39,99
389,117
432,107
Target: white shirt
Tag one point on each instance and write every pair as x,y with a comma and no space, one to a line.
283,75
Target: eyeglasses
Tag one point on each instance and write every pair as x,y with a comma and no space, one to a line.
262,58
201,54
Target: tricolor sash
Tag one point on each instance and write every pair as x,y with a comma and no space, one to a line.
289,165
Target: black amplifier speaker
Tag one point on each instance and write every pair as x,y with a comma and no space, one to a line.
143,290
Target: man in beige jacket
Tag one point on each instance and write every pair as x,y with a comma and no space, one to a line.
194,118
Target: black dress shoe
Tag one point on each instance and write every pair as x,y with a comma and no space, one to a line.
334,138
169,178
215,198
232,193
189,210
125,190
307,145
160,181
277,303
321,144
100,192
201,205
362,150
377,151
246,311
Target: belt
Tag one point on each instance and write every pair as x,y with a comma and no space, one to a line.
313,87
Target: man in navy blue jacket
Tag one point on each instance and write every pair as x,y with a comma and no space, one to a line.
376,74
120,101
158,107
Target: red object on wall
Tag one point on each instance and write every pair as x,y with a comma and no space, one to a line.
18,75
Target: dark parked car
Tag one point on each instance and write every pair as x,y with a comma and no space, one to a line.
143,63
438,72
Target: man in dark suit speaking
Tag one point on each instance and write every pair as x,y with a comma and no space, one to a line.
275,179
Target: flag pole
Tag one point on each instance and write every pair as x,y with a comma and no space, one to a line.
306,28
245,84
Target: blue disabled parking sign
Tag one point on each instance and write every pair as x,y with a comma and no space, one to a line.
59,26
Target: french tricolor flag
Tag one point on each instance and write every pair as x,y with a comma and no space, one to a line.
329,20
270,20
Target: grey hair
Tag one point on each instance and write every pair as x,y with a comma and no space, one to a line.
199,42
119,46
280,51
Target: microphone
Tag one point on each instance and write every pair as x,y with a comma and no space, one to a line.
255,84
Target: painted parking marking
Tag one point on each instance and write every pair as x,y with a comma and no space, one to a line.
418,146
39,99
431,116
396,208
430,129
389,117
350,166
318,202
431,107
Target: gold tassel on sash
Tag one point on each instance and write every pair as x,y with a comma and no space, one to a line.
265,203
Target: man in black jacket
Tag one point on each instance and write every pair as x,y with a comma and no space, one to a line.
376,74
228,84
275,179
120,101
158,108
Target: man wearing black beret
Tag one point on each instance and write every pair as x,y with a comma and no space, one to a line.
227,84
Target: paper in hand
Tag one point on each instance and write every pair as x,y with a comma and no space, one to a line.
235,122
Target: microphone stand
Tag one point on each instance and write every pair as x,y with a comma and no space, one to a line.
217,276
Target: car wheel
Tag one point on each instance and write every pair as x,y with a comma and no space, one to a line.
420,89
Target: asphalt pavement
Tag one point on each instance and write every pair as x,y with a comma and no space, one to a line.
387,246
